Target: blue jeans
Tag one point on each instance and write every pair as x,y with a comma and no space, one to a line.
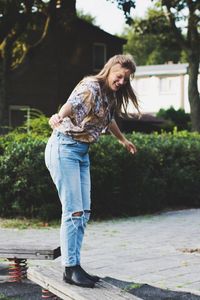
68,163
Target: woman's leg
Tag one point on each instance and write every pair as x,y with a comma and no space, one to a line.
66,157
68,163
72,215
86,202
69,189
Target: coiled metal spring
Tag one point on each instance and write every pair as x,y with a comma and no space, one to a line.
17,269
48,295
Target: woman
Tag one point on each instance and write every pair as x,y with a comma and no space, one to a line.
88,111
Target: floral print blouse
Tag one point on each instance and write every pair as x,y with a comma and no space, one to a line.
92,111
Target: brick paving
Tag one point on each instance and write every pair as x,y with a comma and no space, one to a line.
160,251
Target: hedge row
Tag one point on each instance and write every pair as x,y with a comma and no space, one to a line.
165,173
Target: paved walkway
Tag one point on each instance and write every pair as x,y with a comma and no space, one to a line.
162,251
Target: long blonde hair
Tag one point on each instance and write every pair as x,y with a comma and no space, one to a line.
126,92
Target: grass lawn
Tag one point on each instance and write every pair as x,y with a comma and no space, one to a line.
23,223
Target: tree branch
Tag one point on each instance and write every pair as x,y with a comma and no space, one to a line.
172,21
44,33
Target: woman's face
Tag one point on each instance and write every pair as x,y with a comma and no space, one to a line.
117,77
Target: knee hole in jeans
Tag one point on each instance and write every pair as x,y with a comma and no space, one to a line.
77,214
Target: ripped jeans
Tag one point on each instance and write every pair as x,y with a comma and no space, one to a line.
68,163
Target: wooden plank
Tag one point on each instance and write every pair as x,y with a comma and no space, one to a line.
29,253
50,277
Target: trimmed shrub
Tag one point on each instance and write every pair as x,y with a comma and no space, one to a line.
26,188
39,126
175,118
165,173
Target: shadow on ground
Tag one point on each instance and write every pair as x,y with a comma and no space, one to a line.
30,291
148,292
23,291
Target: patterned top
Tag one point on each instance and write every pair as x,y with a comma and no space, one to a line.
92,111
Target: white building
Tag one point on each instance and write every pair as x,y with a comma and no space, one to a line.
162,86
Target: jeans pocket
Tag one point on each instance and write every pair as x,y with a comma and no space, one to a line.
67,141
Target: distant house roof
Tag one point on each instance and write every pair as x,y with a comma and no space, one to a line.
166,69
84,24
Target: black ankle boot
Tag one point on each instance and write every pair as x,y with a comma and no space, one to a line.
73,275
91,277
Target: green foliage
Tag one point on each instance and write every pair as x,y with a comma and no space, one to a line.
151,41
139,46
39,126
165,173
87,17
126,6
35,127
36,122
26,188
175,118
3,297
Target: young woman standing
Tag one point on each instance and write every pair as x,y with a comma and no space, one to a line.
89,110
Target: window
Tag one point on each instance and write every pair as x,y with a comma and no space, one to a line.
18,114
168,85
99,56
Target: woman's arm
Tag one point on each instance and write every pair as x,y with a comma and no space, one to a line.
114,129
56,119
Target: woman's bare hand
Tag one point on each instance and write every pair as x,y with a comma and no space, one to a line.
130,147
55,121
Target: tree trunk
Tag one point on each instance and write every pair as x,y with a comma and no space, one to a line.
5,63
2,91
193,93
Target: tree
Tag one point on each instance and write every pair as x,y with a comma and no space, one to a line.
87,17
24,25
150,38
190,42
179,12
20,17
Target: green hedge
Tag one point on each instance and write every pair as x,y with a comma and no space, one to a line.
165,173
174,118
25,187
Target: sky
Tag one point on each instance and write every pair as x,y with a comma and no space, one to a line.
108,16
